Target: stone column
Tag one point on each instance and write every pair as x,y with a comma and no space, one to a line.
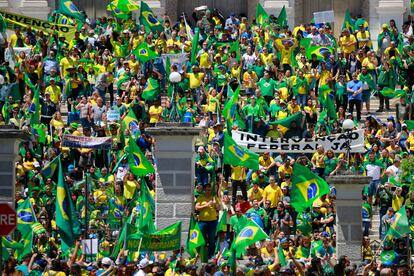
383,12
9,149
348,214
174,154
35,8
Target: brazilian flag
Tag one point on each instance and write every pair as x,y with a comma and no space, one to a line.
66,219
131,123
138,163
392,93
237,156
286,122
124,6
348,24
195,238
306,187
261,14
399,227
49,170
152,90
250,234
25,216
144,53
112,7
146,208
148,19
318,51
66,7
388,257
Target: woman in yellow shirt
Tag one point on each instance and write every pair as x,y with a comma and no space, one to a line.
155,112
130,185
57,121
213,99
318,160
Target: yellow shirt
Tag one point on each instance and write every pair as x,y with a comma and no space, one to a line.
255,195
57,124
274,194
195,79
204,60
237,173
266,58
348,49
129,189
65,63
208,213
134,66
265,163
54,93
285,170
410,140
155,113
318,160
250,79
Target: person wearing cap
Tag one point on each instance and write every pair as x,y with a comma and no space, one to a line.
47,109
363,37
384,39
54,91
368,85
202,162
144,267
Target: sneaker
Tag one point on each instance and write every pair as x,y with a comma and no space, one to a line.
388,109
380,110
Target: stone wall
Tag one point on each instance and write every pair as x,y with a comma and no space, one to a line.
174,154
348,214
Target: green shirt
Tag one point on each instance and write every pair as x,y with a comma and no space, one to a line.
237,223
267,87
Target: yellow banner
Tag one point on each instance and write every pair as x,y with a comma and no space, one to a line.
47,27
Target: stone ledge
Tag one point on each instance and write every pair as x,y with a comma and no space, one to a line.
349,179
176,129
7,132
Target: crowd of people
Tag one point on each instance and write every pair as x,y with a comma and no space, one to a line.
99,73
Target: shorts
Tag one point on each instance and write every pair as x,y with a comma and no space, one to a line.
366,95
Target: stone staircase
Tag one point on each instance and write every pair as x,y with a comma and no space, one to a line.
374,231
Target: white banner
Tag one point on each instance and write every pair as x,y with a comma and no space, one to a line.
324,17
177,59
337,142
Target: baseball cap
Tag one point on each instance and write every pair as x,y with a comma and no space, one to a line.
107,261
144,263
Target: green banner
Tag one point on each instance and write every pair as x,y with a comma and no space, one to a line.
167,239
47,27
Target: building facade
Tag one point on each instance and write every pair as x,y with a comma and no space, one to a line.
376,12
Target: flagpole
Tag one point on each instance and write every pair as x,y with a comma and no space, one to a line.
139,246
